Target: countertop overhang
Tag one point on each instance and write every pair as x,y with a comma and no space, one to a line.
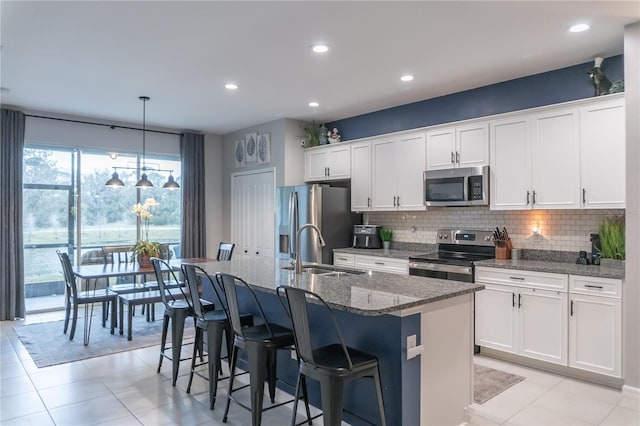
388,292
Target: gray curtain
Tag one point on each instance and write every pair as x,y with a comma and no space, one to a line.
193,239
11,255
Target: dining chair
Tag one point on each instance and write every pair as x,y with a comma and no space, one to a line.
225,251
212,321
120,254
333,364
260,343
75,298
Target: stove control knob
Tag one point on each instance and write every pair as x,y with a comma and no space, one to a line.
445,236
487,238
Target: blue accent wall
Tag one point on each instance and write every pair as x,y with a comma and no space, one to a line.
562,85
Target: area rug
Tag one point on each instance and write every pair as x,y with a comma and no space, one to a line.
489,382
48,345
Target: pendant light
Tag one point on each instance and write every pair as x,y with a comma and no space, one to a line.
144,182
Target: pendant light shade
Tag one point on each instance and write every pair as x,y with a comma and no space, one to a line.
144,182
115,181
171,183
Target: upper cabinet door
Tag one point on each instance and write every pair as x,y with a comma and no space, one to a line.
602,154
410,163
361,176
510,165
384,175
441,148
339,162
556,159
472,144
315,167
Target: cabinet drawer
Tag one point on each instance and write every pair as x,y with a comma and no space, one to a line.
541,280
595,286
344,259
383,264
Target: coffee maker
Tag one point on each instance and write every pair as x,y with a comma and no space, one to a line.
366,236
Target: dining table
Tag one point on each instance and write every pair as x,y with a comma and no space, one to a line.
93,273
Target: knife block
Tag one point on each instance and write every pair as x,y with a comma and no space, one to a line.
503,252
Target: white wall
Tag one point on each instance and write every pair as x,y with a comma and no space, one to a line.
213,183
631,289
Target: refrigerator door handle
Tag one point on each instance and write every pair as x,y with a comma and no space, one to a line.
293,223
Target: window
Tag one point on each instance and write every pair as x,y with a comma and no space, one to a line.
52,208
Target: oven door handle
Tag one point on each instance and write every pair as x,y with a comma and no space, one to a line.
438,267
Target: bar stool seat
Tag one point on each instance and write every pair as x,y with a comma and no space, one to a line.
333,364
260,343
215,323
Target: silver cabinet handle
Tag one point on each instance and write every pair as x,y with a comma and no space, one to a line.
378,263
368,201
571,314
344,259
328,171
534,198
457,157
513,300
519,300
398,201
394,201
528,193
517,278
453,160
593,286
584,196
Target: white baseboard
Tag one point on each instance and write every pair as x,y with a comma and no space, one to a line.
630,390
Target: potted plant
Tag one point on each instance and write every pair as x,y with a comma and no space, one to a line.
313,133
612,249
385,236
143,250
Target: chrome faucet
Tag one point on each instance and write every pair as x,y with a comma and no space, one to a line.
320,243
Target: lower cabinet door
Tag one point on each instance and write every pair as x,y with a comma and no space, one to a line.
495,311
542,325
595,329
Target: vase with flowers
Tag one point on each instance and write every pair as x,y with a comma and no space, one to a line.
144,249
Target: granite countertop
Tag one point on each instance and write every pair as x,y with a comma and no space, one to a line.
370,293
391,253
554,267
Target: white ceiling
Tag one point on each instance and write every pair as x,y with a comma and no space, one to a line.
93,59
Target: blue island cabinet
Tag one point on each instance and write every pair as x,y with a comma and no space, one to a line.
433,387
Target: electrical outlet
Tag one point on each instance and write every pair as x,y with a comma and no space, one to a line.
411,341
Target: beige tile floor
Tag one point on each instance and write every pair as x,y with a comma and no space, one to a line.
124,389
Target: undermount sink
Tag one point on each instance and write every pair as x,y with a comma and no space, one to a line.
326,270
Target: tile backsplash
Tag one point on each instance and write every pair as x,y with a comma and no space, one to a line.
562,230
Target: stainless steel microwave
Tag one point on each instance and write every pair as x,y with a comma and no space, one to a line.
464,186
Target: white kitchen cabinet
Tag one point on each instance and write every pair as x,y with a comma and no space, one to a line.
510,164
595,325
602,154
344,259
397,168
461,146
523,312
327,163
382,264
535,161
361,176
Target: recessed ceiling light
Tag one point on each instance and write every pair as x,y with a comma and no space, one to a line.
578,28
314,104
406,77
320,48
231,86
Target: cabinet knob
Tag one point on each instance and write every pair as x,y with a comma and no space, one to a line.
534,198
528,197
453,159
457,157
584,196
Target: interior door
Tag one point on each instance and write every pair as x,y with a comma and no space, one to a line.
252,213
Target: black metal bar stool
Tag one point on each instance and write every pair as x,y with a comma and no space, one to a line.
214,323
332,365
177,307
260,343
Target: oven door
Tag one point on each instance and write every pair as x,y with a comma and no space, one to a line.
442,271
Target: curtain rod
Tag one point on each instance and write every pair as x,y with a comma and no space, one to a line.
112,126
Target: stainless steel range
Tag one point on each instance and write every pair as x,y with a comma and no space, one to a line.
458,249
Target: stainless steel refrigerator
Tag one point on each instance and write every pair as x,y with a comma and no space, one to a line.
329,208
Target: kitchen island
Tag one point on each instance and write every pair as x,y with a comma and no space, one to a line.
421,329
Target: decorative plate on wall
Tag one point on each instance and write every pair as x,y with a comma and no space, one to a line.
264,148
240,154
